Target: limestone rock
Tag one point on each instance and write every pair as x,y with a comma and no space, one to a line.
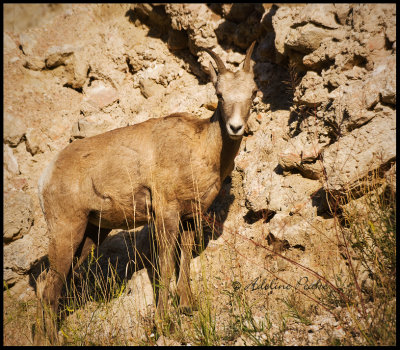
9,44
237,12
99,95
93,125
373,17
155,15
282,22
302,153
386,73
77,68
365,149
150,88
354,103
311,91
177,39
308,38
319,14
164,341
14,129
10,277
27,42
324,55
18,215
34,141
342,11
247,31
10,163
58,55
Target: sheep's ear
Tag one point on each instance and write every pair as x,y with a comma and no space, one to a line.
213,74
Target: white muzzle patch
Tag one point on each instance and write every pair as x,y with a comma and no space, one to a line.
235,124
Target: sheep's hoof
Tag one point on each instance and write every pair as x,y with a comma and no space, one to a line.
188,309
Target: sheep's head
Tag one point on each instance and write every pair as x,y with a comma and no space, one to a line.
235,91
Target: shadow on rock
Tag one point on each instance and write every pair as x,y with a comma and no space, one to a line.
102,276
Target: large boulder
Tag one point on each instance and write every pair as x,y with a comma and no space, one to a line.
365,149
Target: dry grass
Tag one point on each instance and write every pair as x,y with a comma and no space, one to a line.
361,298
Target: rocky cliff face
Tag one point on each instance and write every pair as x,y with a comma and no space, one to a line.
323,119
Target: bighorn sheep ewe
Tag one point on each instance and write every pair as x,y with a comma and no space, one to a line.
157,170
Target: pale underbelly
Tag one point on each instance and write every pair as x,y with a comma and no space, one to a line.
118,220
113,214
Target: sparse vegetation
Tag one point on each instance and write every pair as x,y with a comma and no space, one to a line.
365,224
368,231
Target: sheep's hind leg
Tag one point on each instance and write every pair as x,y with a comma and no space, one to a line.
94,236
186,302
166,235
66,236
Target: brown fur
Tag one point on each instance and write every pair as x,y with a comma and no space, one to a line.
160,168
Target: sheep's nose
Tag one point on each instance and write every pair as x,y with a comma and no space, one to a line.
235,128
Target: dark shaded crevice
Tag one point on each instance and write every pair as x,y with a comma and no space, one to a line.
157,19
278,245
388,44
316,24
360,61
300,113
299,246
325,65
278,170
319,200
80,89
253,216
309,173
354,126
37,268
130,66
91,79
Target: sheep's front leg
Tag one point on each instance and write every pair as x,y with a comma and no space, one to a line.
166,235
186,303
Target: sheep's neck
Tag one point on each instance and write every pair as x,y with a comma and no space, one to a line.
228,148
